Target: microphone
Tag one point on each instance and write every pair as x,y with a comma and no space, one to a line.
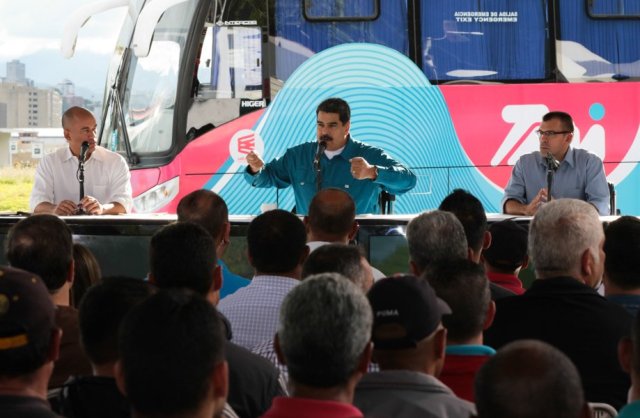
83,151
552,163
322,145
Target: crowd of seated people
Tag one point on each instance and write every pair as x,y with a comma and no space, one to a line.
316,332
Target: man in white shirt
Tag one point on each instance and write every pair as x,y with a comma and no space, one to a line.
107,178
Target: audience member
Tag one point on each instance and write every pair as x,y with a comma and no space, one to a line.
276,250
253,381
409,346
622,263
101,312
86,273
172,357
507,255
323,337
42,244
435,236
29,342
331,218
340,258
470,212
331,258
629,356
561,307
465,288
209,210
530,379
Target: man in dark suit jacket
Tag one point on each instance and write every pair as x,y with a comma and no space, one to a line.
562,308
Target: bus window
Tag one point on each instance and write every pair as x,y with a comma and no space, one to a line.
148,100
296,38
340,9
614,8
497,40
599,49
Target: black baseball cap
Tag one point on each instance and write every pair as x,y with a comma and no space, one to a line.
27,312
508,244
405,311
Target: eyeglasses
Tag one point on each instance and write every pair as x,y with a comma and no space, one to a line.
550,133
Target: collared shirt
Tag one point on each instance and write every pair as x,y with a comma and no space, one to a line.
461,365
408,394
579,176
295,168
508,281
253,310
311,408
106,177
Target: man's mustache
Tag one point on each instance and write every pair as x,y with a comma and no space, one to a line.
325,138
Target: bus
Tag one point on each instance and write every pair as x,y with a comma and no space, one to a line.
454,89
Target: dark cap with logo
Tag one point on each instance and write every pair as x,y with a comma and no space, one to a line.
405,311
27,313
508,245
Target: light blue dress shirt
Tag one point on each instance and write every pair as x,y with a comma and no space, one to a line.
579,176
295,168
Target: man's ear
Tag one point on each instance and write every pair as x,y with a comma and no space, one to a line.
486,240
217,278
413,267
625,354
54,345
440,344
491,314
365,358
525,262
220,380
355,227
278,350
118,372
71,274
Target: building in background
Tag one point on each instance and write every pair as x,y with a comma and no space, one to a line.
22,105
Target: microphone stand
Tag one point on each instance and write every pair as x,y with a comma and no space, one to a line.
552,166
80,174
316,164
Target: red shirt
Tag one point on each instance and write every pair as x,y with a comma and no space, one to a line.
460,367
310,408
508,281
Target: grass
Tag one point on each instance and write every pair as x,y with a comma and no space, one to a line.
15,188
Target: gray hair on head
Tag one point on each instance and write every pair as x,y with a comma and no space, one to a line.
325,326
436,236
559,234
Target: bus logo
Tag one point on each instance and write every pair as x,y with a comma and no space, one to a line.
243,142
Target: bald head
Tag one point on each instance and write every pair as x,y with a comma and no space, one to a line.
528,379
207,209
332,215
74,112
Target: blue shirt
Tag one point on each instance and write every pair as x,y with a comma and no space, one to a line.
230,281
579,176
631,410
295,168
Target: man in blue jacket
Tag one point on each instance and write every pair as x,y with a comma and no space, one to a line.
339,161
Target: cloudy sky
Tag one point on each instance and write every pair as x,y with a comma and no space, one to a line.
31,30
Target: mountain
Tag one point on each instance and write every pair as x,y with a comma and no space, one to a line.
88,71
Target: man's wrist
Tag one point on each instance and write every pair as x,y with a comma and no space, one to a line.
374,172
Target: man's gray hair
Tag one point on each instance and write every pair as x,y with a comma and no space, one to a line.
325,325
436,236
559,234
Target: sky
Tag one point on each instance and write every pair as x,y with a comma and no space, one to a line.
31,30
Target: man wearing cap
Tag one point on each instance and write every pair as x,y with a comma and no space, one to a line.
409,346
507,255
29,343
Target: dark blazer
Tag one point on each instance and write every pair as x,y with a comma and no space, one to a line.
574,318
